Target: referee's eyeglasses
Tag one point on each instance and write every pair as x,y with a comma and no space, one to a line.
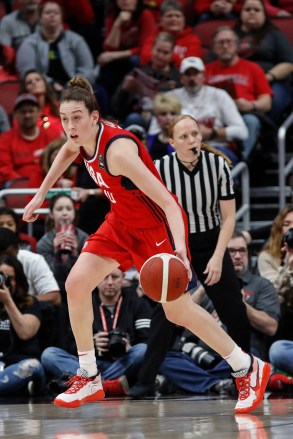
241,250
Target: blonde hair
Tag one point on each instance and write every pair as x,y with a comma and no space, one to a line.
204,146
166,102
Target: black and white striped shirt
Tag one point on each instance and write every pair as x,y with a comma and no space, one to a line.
199,190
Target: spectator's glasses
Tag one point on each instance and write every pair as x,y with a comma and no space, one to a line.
166,113
242,251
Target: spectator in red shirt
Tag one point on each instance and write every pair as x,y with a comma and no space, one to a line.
173,21
127,26
7,64
244,80
20,147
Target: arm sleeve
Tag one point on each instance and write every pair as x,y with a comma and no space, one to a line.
235,126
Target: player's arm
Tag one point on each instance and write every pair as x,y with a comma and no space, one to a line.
64,158
124,160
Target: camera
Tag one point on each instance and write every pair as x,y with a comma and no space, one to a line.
117,346
288,238
4,280
202,358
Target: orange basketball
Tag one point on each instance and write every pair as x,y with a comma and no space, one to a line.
163,277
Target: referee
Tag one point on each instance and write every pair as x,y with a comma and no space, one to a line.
200,177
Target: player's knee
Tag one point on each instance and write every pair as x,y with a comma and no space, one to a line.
172,314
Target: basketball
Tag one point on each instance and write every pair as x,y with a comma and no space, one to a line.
163,277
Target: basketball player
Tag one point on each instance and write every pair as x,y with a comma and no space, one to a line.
144,219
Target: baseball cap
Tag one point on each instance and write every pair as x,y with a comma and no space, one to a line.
192,62
25,98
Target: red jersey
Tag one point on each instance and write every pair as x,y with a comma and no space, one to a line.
248,78
128,203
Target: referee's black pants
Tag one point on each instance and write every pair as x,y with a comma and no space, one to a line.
225,295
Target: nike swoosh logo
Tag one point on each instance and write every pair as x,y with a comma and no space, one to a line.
160,243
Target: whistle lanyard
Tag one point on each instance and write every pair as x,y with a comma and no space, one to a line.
103,317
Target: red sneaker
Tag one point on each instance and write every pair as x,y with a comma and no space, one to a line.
116,387
82,389
251,385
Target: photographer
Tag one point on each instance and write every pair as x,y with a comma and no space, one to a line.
120,330
20,320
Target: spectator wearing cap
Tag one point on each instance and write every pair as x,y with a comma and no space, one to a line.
216,112
21,146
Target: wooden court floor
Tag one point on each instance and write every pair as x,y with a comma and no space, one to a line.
168,418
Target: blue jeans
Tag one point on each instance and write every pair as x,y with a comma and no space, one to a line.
281,355
56,361
254,129
281,100
15,378
181,370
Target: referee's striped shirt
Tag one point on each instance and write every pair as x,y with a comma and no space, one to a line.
199,190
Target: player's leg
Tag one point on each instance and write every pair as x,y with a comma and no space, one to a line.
86,274
251,374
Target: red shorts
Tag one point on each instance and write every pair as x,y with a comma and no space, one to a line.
128,246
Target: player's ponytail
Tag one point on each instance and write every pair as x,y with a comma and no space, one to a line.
79,89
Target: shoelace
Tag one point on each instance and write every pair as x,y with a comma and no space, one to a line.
243,386
75,383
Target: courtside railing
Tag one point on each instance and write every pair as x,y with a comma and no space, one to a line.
240,171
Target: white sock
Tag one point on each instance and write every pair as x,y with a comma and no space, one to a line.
238,359
87,361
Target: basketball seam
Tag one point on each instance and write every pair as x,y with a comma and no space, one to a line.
165,280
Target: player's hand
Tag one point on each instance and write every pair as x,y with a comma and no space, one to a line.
29,214
213,270
183,256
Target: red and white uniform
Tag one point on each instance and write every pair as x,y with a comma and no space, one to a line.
136,227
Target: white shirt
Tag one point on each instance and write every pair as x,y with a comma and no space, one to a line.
39,275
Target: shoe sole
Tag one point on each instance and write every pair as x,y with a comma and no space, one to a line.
264,381
98,396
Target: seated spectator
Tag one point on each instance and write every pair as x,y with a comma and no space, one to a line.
207,10
127,26
281,358
4,121
20,23
220,121
159,75
173,21
7,63
271,257
21,146
36,84
80,17
244,80
54,51
263,43
275,262
10,220
42,283
165,108
62,243
20,317
120,330
193,366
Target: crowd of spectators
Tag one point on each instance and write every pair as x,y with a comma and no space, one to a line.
146,64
